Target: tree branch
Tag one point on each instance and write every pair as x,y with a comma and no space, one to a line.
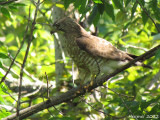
75,92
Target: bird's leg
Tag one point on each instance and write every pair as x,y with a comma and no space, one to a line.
95,76
92,79
84,77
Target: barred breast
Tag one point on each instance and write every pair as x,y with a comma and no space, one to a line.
82,59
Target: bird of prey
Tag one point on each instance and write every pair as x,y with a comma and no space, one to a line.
92,55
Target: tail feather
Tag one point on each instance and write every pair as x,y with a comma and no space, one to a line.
143,65
139,63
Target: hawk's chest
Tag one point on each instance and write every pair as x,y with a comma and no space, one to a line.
72,48
79,56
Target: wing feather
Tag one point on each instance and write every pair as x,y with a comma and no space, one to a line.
99,47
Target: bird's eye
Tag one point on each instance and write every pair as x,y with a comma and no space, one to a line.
57,25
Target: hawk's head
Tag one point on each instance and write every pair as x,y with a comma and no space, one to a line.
66,25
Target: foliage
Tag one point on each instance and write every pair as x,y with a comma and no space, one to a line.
135,92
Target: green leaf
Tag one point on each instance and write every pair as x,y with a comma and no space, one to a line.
144,17
145,104
109,10
94,16
134,10
13,8
97,1
118,4
3,56
82,8
67,3
155,111
157,54
141,2
101,8
96,19
155,9
5,12
126,25
120,17
1,65
127,2
19,4
77,3
81,5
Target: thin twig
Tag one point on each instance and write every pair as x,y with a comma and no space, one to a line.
26,55
47,85
149,16
47,95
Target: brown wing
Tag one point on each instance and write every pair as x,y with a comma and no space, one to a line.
100,47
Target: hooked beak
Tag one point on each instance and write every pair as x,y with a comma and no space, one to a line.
54,29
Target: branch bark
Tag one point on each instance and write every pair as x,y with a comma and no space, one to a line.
75,92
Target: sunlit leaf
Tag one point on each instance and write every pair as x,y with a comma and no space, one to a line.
14,48
60,5
98,1
3,49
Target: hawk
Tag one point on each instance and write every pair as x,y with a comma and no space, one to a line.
92,55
